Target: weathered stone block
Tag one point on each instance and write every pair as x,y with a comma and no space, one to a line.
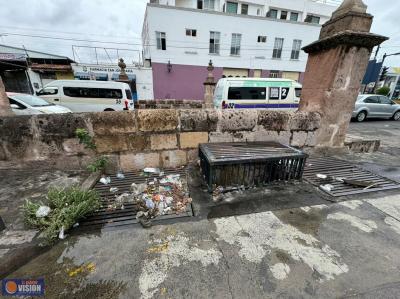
138,143
193,139
173,159
220,137
111,143
72,146
305,121
113,122
63,125
299,139
311,139
273,120
192,155
130,161
163,141
112,166
282,137
193,120
157,120
237,120
243,136
213,116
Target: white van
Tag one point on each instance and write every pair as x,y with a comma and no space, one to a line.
88,96
260,93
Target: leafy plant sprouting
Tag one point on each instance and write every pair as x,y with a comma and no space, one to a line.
68,206
98,165
85,138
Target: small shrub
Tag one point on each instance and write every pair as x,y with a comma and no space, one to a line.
384,91
98,165
68,206
85,138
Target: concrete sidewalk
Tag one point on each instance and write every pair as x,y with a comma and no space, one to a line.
347,249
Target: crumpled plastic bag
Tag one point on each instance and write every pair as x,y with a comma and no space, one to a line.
120,175
151,170
149,204
105,180
43,211
327,187
61,235
138,189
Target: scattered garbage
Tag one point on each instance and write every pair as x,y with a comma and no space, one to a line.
151,170
321,176
105,180
61,235
360,183
75,225
160,194
327,187
43,211
85,268
144,219
120,175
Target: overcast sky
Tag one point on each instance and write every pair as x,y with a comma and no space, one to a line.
119,22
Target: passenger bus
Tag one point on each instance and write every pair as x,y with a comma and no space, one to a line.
260,93
88,96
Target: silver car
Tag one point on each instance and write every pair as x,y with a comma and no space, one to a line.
26,104
375,106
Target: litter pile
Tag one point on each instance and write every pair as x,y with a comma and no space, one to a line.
159,194
327,179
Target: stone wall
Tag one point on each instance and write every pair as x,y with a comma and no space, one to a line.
145,138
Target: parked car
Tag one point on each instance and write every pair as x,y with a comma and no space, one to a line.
375,106
88,95
25,104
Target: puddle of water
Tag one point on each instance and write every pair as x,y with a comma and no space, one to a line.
307,222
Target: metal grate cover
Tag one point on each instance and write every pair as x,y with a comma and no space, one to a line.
343,169
249,163
127,216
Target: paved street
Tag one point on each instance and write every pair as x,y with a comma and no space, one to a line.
387,131
347,249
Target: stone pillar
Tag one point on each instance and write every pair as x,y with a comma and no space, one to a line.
209,86
4,102
335,68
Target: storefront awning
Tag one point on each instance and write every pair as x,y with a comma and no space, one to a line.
88,76
115,77
51,67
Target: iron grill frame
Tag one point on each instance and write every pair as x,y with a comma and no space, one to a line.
262,165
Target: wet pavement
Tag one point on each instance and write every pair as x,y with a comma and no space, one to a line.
328,250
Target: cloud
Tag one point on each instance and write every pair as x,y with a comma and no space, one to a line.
105,20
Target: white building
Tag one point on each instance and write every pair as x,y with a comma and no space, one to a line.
141,77
256,38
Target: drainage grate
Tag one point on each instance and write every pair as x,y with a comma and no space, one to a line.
249,163
118,217
343,169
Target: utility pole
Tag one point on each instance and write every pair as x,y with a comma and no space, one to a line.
383,61
377,51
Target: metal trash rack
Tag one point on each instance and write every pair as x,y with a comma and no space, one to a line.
249,164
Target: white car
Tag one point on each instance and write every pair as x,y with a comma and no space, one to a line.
26,104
